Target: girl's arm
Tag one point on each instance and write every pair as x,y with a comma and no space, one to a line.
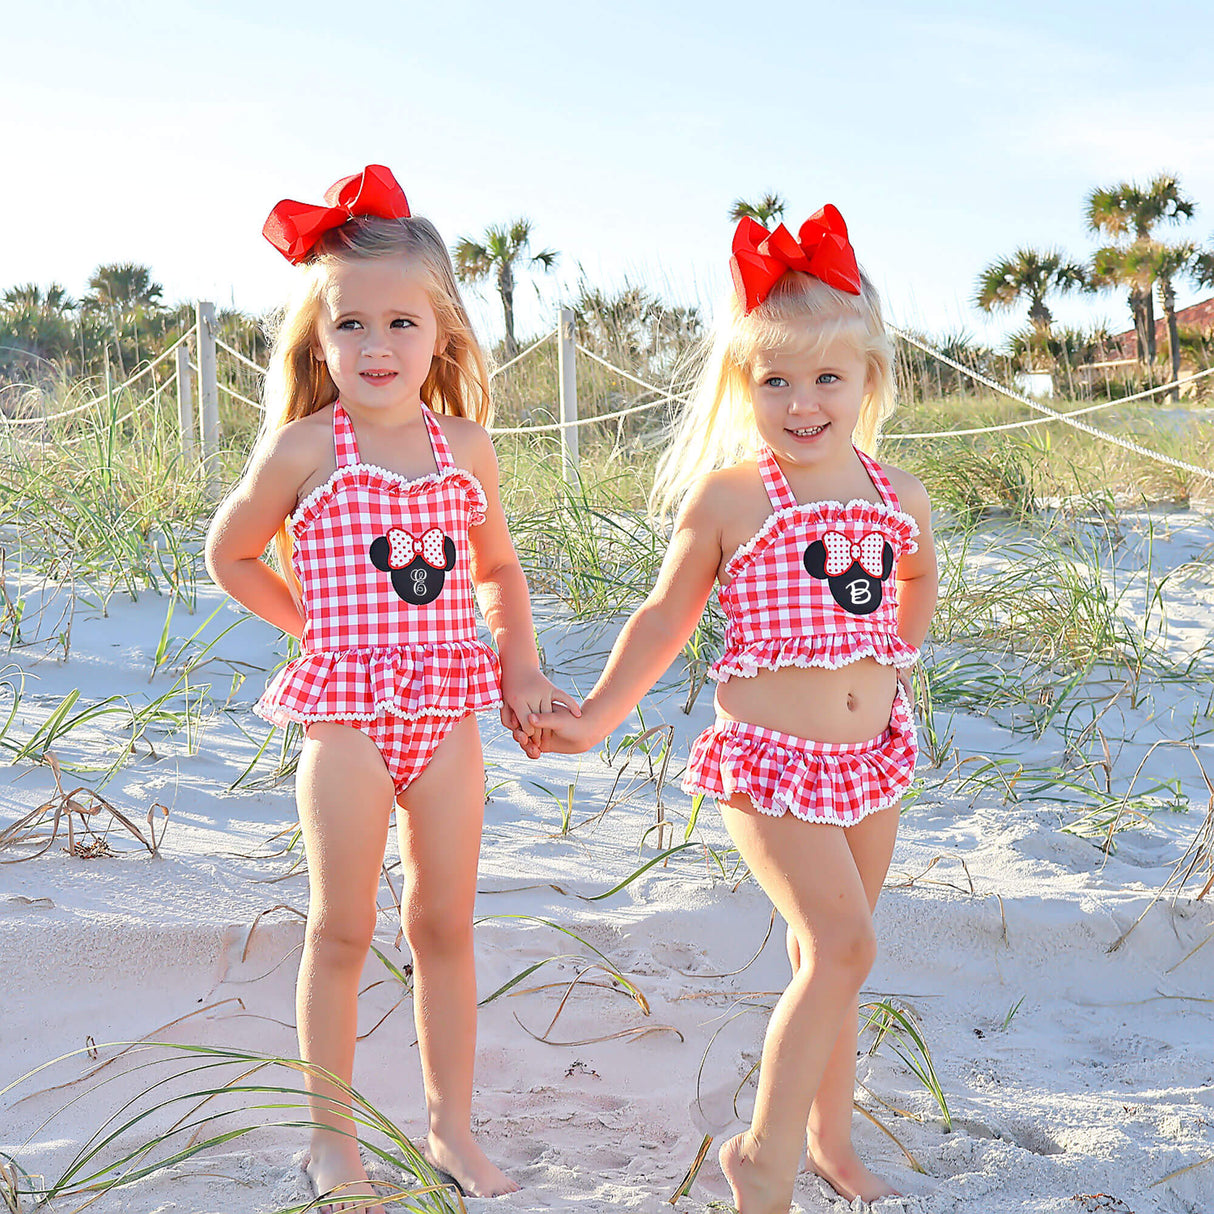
246,522
916,575
501,591
655,633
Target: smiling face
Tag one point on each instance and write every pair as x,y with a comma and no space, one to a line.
807,398
376,332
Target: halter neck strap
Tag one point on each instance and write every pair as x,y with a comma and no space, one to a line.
438,441
345,445
779,492
880,481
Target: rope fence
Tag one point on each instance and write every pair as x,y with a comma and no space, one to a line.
1052,414
207,343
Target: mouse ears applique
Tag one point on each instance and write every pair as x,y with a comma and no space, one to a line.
853,569
418,564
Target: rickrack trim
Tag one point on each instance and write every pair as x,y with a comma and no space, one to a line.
397,481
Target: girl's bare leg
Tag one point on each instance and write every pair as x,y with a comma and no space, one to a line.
344,796
439,826
828,1132
810,875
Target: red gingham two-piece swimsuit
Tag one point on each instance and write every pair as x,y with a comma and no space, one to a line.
814,587
390,644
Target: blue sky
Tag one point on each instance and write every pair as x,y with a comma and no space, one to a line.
947,136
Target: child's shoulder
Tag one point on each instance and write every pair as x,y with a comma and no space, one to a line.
722,493
302,440
909,488
469,440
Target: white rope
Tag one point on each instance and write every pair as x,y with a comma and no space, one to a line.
518,357
581,421
236,396
82,438
248,362
1045,421
683,399
89,404
1052,414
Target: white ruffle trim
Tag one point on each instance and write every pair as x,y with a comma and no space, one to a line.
746,666
383,709
818,510
400,482
826,819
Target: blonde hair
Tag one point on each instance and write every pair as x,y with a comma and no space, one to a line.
717,426
298,384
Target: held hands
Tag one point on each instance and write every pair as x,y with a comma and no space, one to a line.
558,732
527,697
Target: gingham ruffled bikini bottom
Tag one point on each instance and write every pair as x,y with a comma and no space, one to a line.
406,746
837,783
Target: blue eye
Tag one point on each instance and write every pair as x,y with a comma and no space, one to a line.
828,377
347,324
775,381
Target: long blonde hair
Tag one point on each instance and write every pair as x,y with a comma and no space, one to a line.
298,384
717,426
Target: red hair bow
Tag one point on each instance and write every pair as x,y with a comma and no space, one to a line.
293,228
821,248
404,546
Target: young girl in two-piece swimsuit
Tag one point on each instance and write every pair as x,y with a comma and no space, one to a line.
376,477
828,582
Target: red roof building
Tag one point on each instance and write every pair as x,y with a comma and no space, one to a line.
1197,316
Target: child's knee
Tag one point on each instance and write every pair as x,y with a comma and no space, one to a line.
341,940
849,949
437,930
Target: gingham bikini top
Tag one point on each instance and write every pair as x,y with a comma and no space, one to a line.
383,563
815,585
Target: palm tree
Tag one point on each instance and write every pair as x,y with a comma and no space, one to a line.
1132,268
1128,213
496,253
126,293
1170,262
1031,275
54,300
769,207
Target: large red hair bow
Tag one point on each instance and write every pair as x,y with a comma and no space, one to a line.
821,248
293,228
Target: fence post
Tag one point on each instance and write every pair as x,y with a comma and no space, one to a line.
208,388
185,402
567,376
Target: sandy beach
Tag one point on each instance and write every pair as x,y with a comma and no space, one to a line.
1066,1007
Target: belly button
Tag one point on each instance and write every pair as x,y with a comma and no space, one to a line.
851,702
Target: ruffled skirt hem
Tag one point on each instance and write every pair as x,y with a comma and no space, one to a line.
409,681
824,782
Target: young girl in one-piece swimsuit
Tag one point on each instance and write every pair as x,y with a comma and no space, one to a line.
376,477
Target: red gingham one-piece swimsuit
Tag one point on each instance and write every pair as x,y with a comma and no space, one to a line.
390,642
814,587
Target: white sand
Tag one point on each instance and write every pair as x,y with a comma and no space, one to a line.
1099,1083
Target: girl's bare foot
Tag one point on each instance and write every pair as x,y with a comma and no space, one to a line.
755,1189
844,1172
339,1170
465,1163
